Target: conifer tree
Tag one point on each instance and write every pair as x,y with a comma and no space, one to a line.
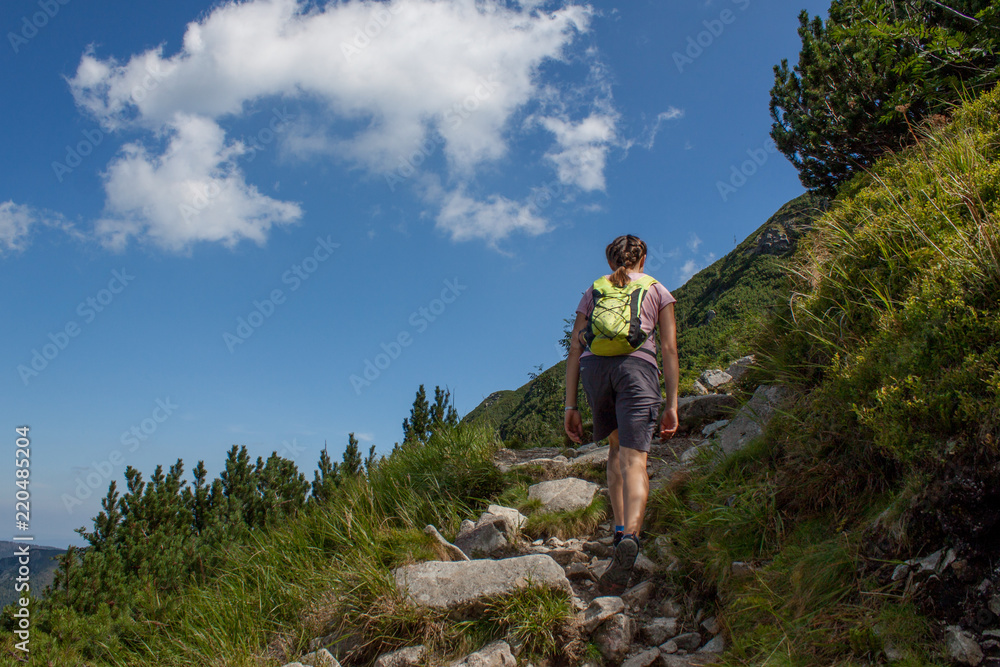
417,427
351,466
871,73
326,479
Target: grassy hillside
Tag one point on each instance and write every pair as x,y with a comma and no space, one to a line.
718,311
889,450
720,308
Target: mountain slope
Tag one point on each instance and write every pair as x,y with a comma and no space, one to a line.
717,312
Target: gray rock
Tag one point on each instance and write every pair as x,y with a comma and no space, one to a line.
404,657
901,572
481,542
567,556
715,379
585,449
961,648
669,647
320,658
637,596
614,637
293,664
644,659
927,563
689,641
693,412
716,645
453,585
994,604
741,569
738,368
453,552
597,549
563,495
644,565
578,572
671,608
749,422
497,654
711,625
514,519
690,454
597,457
467,527
713,427
699,389
659,630
600,610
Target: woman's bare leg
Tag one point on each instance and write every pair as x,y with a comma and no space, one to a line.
635,488
615,482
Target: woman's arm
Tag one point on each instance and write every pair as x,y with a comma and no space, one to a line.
671,370
572,423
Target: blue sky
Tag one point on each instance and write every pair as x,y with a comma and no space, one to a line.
214,218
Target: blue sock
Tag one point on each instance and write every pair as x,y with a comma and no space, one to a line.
619,529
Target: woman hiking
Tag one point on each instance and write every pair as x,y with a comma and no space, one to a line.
613,351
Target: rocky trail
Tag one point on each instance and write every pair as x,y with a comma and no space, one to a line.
649,624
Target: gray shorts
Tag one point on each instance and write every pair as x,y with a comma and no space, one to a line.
624,394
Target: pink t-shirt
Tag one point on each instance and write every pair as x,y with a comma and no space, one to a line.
657,298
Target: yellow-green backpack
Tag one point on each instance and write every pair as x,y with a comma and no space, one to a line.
615,328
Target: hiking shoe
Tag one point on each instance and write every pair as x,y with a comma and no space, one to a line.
619,534
615,578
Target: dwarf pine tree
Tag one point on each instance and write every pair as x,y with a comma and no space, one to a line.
873,71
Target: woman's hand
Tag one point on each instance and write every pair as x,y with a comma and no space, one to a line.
574,426
668,424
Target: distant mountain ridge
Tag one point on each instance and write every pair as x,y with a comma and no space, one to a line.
43,569
716,310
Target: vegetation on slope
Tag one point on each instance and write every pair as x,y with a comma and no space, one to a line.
891,348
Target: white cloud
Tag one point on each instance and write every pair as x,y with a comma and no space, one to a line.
672,113
583,149
18,220
693,266
192,192
402,72
491,220
693,242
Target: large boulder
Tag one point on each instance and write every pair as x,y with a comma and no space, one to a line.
450,586
693,412
563,495
750,421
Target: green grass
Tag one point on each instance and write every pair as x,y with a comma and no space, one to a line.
326,572
890,348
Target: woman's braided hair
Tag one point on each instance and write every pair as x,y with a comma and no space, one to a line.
624,253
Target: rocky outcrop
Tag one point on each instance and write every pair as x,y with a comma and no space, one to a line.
749,422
